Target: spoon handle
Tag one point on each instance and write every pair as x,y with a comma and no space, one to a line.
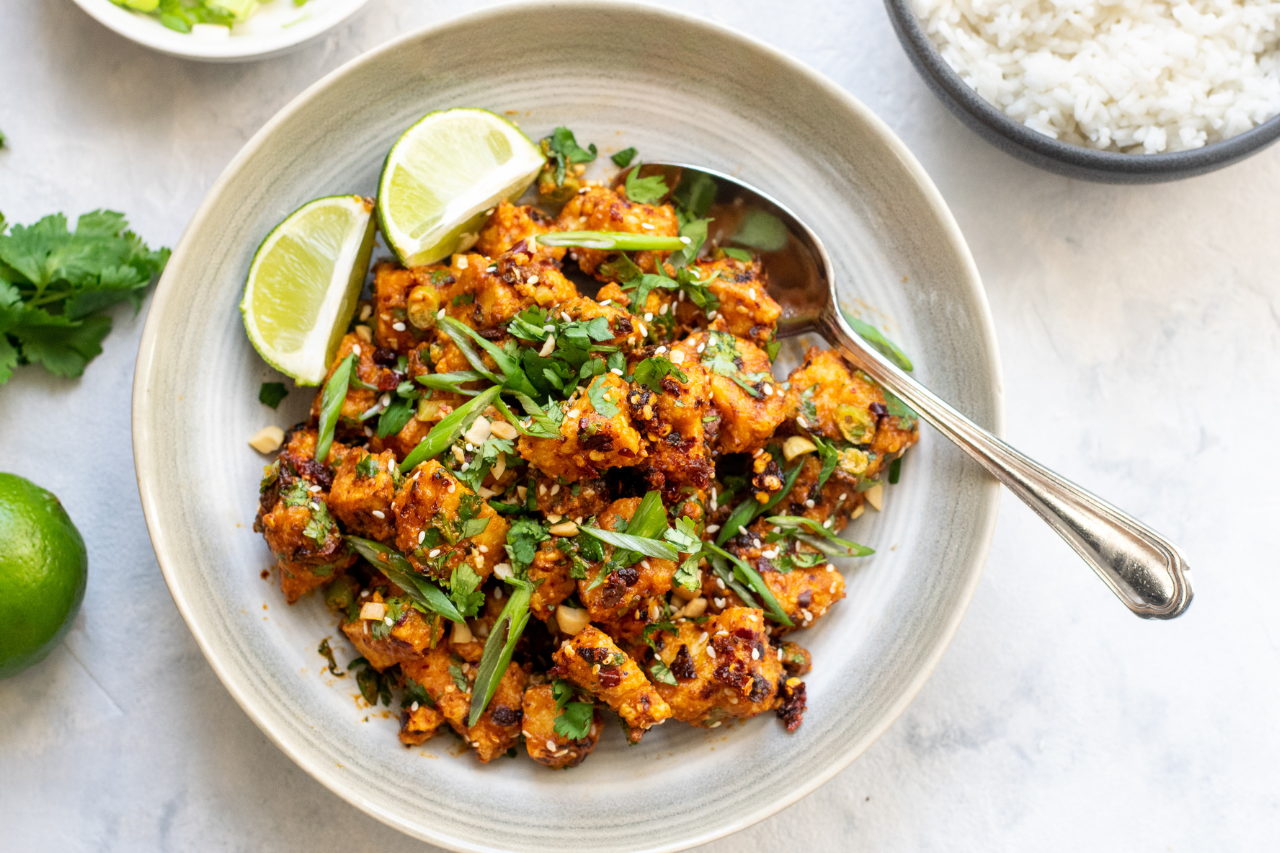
1143,569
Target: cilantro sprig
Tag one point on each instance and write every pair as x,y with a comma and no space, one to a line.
55,285
573,719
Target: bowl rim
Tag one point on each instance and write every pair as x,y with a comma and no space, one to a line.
148,33
147,365
1192,161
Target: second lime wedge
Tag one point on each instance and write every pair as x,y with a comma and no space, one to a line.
304,283
444,174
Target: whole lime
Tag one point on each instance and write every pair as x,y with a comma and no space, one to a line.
43,570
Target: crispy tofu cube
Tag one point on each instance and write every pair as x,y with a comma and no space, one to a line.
508,225
430,526
745,304
750,403
364,488
602,209
592,661
591,441
540,738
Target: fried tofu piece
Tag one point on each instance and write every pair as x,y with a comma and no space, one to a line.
508,225
408,637
622,324
419,723
429,524
584,498
553,569
544,745
723,668
602,209
745,304
795,658
498,728
750,403
828,399
673,422
837,499
374,368
393,286
805,593
591,441
592,661
363,490
630,586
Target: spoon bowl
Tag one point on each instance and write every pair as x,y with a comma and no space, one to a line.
1145,571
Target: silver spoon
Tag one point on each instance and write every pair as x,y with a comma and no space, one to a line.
1145,571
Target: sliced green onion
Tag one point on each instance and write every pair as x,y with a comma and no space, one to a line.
878,341
649,547
451,381
613,241
498,649
851,549
751,578
747,511
335,394
513,377
447,431
399,571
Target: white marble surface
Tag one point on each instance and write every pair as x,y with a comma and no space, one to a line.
1140,329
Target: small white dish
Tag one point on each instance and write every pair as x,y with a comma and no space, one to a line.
679,89
277,27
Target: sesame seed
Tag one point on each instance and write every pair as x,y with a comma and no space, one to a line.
364,593
470,447
606,302
542,488
616,371
484,549
573,413
720,582
368,432
491,268
564,315
434,552
833,589
719,602
844,496
389,621
533,279
660,350
809,503
802,422
647,225
548,328
399,327
701,347
685,240
677,356
413,707
649,317
422,534
497,593
770,554
313,489
377,513
551,745
645,563
703,638
440,314
755,654
356,350
828,522
711,315
555,489
644,333
711,653
779,654
663,309
767,389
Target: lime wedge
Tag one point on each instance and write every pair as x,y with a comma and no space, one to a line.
444,174
304,283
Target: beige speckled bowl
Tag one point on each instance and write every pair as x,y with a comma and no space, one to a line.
678,89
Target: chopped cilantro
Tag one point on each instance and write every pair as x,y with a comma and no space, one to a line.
327,653
523,537
624,157
459,680
271,393
601,400
661,672
573,719
895,470
564,149
761,231
373,684
319,525
738,254
464,589
644,190
651,371
368,467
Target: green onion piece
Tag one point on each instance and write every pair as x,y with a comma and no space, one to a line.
498,649
613,241
852,549
649,547
447,431
513,377
878,341
751,578
398,570
895,470
335,394
451,381
747,511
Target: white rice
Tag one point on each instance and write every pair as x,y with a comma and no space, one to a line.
1139,76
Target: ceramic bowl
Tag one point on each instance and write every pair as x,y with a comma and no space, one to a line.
678,89
1074,161
276,28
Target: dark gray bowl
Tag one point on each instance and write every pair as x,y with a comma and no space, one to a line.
1064,158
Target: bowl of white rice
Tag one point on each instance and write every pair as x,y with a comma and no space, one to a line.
1123,91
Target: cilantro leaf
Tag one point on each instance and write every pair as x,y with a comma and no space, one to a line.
661,672
459,680
564,149
684,535
597,393
464,589
573,719
271,393
651,371
622,159
522,542
644,190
